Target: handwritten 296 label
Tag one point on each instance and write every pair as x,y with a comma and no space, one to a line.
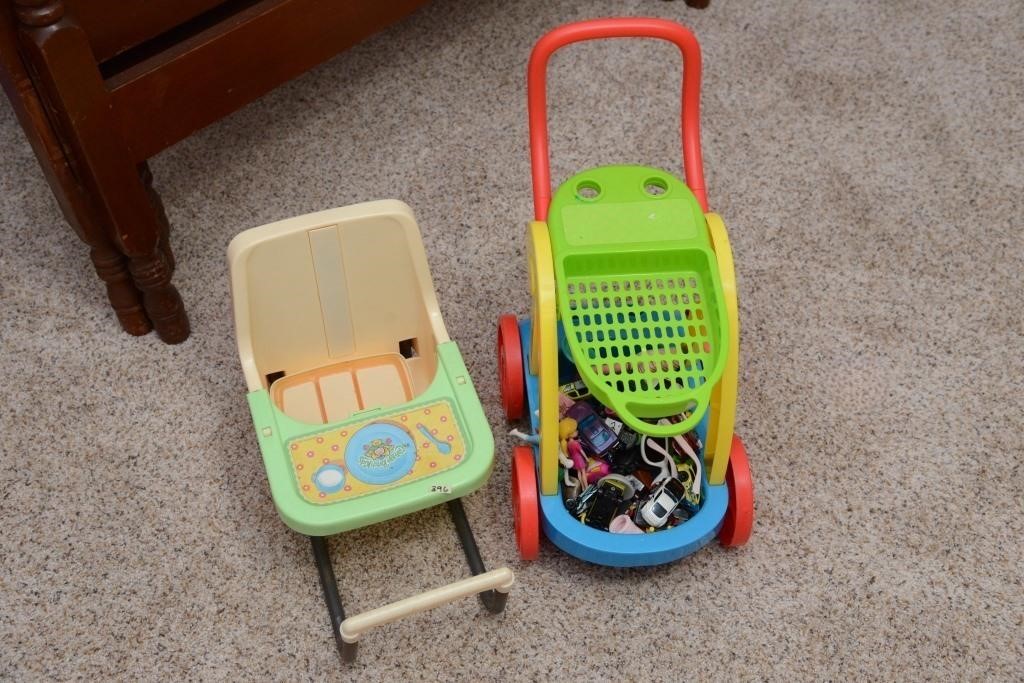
440,488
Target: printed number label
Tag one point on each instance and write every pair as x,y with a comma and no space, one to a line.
438,488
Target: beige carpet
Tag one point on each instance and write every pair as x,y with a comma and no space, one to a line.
867,158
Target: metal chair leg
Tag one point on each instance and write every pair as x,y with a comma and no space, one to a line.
493,600
330,587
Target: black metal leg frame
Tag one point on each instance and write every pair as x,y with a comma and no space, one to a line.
492,587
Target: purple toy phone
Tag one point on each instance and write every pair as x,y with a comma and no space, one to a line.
596,436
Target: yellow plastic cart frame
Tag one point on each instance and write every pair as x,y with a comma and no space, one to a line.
535,387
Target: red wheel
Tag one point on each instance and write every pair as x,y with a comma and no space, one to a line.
510,367
739,516
525,506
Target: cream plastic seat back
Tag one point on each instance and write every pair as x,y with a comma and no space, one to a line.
336,310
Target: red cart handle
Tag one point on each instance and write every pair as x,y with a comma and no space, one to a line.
627,27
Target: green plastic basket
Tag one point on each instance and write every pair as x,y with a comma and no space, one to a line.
639,295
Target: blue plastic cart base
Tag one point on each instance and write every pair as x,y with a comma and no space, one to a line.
612,549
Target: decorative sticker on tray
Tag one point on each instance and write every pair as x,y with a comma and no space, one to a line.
380,452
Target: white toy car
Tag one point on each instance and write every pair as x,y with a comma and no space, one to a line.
663,502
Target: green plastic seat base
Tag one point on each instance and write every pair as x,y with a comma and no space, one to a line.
451,387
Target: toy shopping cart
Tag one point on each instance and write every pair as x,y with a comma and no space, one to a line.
363,408
633,288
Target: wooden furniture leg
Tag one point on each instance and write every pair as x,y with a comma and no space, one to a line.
124,297
161,215
73,200
72,91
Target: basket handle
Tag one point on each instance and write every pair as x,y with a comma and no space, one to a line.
625,413
625,27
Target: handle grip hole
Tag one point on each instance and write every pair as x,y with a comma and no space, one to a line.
588,190
655,187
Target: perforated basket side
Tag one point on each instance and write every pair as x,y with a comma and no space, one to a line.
649,338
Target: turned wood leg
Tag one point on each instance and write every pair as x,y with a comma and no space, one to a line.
124,297
161,214
152,275
153,272
72,90
71,196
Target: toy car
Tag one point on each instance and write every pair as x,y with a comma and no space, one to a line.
596,436
687,473
663,502
626,436
576,390
605,504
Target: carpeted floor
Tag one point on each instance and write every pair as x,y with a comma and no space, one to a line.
867,158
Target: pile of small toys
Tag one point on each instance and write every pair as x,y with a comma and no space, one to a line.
618,480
